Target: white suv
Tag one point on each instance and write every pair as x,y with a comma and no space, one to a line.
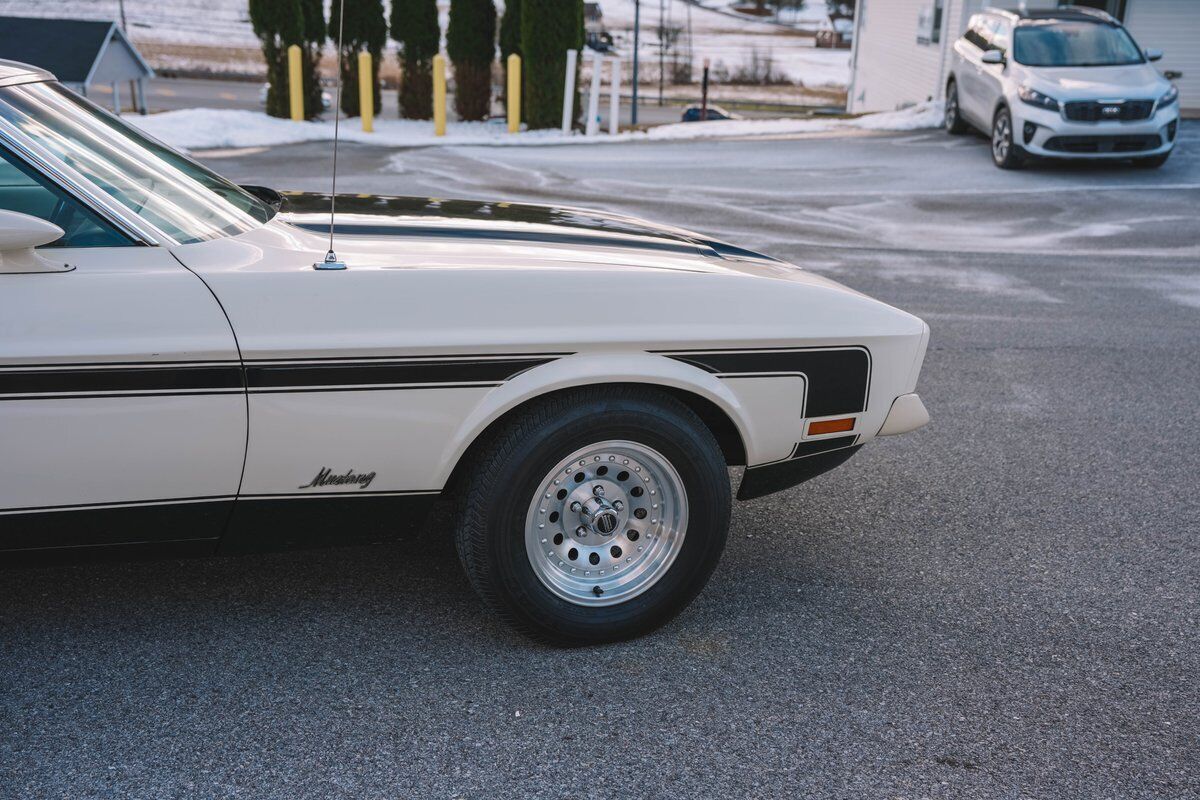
1066,83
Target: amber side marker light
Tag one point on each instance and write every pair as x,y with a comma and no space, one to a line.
830,426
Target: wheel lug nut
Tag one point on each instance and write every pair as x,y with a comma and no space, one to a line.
576,506
581,531
598,490
618,505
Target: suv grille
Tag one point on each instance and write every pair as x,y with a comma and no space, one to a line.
1094,111
1103,144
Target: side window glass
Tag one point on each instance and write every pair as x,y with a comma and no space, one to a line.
1001,39
977,33
24,190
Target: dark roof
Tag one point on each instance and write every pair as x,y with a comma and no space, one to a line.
66,47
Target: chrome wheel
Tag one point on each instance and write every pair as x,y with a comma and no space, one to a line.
606,523
1001,138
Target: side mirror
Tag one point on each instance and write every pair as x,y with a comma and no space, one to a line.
1153,55
19,234
992,57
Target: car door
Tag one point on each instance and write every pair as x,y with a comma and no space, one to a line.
122,407
991,76
970,49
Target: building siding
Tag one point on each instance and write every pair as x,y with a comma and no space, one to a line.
1172,26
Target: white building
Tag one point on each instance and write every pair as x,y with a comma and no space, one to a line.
901,47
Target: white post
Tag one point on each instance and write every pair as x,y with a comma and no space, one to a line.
569,91
593,106
614,98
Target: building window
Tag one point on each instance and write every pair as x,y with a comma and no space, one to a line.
936,34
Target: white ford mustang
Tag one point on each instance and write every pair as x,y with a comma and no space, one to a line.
176,373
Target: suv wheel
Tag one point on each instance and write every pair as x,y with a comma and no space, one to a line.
595,516
954,122
1006,153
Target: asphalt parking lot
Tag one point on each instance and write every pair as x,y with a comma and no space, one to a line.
1005,604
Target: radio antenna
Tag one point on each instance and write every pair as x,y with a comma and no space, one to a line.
331,260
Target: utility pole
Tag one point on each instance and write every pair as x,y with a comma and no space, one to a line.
124,27
637,29
662,48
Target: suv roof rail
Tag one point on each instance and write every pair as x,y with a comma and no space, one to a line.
1066,12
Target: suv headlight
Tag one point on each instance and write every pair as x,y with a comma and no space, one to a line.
1035,98
1170,97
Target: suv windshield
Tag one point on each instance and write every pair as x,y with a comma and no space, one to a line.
1063,43
170,191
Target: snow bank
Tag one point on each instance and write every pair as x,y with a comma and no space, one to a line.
211,128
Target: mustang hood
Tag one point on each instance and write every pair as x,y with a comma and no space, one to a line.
482,222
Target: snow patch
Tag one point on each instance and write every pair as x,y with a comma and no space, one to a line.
210,128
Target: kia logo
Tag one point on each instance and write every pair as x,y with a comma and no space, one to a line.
1111,111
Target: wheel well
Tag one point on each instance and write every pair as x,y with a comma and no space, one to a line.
714,418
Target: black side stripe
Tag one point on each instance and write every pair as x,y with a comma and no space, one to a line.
376,374
120,379
312,375
838,378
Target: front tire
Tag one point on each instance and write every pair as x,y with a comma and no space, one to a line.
955,124
1006,153
566,564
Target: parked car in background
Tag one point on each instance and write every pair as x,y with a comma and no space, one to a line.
1063,83
700,114
835,32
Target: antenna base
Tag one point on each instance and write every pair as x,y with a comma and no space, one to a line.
331,262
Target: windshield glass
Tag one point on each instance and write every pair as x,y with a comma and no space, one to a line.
179,197
1074,44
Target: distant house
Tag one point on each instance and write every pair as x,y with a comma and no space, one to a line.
80,53
901,47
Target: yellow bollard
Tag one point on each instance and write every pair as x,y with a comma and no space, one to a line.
439,95
366,91
295,83
514,93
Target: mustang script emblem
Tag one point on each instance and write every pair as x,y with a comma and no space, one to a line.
326,477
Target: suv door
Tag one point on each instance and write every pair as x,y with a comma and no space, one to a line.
970,49
122,405
991,76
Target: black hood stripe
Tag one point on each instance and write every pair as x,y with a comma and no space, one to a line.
482,234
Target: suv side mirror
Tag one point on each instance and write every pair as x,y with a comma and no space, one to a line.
19,234
1153,54
992,57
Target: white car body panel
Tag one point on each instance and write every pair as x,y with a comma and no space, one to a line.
602,308
121,312
232,381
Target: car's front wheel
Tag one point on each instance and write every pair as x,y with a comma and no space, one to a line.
595,515
1006,153
954,122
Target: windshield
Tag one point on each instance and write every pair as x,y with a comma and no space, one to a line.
1074,44
179,197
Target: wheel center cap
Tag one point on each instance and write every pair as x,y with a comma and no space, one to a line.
600,515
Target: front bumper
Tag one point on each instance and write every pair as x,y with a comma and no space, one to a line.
1047,133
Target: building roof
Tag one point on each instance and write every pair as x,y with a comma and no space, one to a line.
69,48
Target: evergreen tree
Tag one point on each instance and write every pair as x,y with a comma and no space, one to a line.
277,24
549,28
414,24
313,15
471,43
510,30
364,29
